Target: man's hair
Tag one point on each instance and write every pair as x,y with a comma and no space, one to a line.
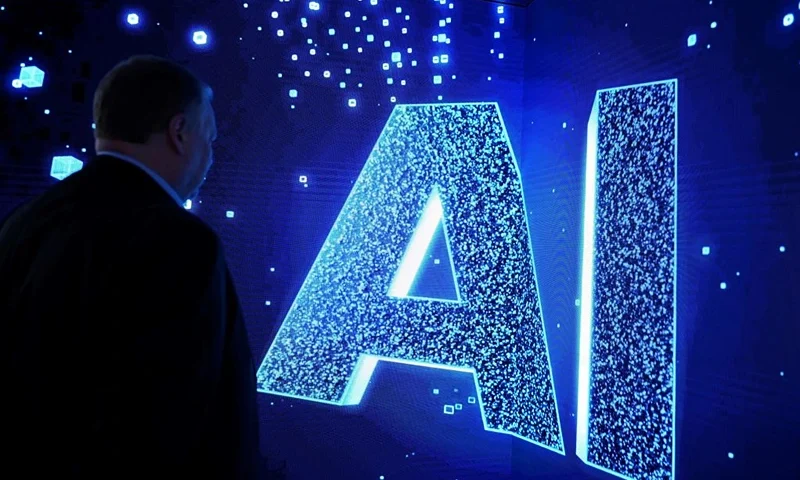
140,96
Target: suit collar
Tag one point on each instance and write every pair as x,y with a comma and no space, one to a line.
152,174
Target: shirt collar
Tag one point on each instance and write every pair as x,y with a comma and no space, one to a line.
158,179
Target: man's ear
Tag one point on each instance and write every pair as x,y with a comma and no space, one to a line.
176,133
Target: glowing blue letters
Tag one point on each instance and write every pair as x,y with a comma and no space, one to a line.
450,167
626,385
448,163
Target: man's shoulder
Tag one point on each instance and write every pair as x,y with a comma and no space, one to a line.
174,225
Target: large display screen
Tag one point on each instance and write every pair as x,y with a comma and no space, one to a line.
477,239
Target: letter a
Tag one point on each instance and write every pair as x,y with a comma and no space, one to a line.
450,164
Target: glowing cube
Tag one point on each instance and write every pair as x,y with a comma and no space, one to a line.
31,77
64,166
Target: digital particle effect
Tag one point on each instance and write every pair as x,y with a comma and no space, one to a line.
449,163
626,376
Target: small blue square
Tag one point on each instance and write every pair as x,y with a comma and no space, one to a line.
229,214
459,406
449,410
706,250
396,57
692,40
436,391
470,400
723,286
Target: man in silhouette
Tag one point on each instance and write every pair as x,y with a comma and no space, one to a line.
124,351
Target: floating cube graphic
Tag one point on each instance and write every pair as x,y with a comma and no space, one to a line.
200,37
64,166
31,77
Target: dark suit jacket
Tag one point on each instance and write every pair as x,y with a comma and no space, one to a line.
124,352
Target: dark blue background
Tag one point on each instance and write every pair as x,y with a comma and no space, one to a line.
739,193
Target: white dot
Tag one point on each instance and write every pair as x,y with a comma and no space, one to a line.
274,14
730,454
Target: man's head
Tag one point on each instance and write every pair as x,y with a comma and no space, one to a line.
159,113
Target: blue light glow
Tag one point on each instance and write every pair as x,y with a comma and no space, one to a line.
200,37
64,166
788,20
626,421
133,19
692,40
345,318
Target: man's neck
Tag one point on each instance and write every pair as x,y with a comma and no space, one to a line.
142,157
